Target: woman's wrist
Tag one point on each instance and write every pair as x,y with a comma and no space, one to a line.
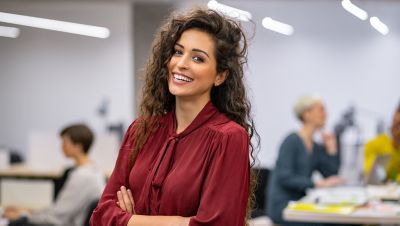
184,221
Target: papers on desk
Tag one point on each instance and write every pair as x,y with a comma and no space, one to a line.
347,209
340,200
339,196
321,208
388,192
346,200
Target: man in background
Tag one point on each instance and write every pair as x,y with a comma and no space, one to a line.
84,184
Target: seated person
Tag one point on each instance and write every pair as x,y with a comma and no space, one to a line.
385,144
84,184
299,155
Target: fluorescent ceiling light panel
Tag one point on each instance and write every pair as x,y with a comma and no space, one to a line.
355,10
229,11
277,26
9,32
379,25
56,25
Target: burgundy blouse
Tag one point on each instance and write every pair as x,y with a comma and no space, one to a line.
202,172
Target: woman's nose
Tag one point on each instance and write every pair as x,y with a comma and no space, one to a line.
183,62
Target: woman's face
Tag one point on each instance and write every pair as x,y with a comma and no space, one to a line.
316,115
193,67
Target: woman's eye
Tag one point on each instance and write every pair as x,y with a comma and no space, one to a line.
198,59
177,52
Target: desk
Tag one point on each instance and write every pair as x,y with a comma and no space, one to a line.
375,212
359,216
24,171
28,187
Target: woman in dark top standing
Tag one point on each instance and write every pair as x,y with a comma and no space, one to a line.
185,160
299,155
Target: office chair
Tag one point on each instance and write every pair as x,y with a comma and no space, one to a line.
59,182
260,209
90,210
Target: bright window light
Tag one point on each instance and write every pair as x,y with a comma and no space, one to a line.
9,32
277,26
379,25
355,10
229,11
56,25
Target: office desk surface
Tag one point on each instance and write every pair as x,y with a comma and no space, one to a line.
375,212
359,216
24,171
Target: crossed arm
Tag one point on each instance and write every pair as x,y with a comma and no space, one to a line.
127,204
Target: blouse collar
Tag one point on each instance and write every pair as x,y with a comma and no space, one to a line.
208,111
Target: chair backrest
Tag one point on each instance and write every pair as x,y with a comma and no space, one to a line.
261,191
59,183
92,206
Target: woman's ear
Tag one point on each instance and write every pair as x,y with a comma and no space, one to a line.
221,77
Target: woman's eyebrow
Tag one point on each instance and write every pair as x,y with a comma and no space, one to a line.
194,49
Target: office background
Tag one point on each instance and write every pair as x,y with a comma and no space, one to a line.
49,79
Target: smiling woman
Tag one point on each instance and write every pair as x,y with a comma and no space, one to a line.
185,160
192,68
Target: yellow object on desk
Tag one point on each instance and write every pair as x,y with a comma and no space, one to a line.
321,208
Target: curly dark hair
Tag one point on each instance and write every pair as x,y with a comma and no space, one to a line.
229,98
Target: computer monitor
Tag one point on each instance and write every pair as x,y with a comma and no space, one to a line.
377,174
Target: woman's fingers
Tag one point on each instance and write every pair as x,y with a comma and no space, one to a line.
132,201
126,199
121,202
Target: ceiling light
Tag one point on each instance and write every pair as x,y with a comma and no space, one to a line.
9,32
277,26
355,10
56,25
379,25
229,11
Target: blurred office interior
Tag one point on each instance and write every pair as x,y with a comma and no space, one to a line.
50,78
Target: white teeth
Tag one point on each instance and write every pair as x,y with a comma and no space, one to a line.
182,78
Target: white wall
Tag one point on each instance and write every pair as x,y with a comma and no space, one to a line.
147,19
49,79
331,53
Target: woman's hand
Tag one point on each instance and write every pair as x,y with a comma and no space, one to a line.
330,143
127,204
125,200
331,181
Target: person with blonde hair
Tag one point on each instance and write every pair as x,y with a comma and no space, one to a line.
186,159
299,155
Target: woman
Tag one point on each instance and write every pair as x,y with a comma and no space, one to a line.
185,160
299,156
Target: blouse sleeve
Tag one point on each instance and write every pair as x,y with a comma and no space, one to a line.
285,167
226,188
107,212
